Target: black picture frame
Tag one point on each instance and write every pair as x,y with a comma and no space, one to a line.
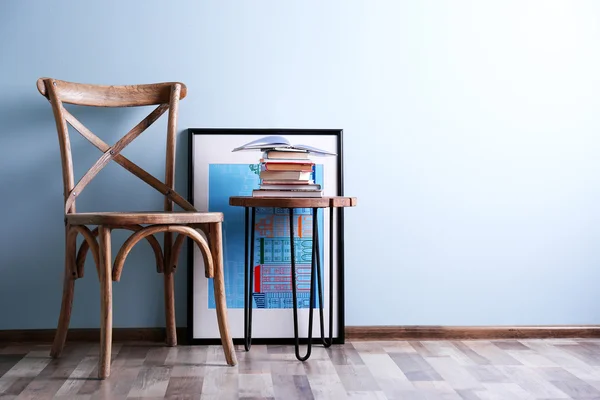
339,227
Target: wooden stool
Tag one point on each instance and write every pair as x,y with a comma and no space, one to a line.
292,203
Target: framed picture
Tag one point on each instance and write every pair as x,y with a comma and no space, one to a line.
215,174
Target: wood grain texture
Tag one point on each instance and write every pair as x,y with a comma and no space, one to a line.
343,202
216,245
169,289
112,152
105,302
292,202
180,240
151,230
50,379
171,143
127,164
110,96
82,253
137,218
151,382
175,250
371,370
467,332
157,334
69,277
219,382
89,241
169,296
44,336
63,140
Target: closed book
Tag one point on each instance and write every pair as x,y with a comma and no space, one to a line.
291,187
294,155
287,182
286,193
269,166
285,161
291,175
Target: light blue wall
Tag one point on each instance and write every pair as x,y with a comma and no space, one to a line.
472,135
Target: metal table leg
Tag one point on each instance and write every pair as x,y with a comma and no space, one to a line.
314,273
332,211
317,255
248,279
294,295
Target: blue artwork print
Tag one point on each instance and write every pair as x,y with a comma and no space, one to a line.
271,264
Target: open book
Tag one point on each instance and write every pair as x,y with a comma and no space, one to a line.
279,143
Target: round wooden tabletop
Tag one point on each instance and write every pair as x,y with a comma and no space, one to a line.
292,202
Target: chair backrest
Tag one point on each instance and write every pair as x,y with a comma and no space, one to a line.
165,95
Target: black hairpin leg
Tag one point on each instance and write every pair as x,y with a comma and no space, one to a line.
317,255
295,297
248,279
331,214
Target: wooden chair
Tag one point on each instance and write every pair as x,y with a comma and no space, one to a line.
143,224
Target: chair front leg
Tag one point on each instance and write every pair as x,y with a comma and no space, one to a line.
68,292
216,249
170,306
169,288
105,301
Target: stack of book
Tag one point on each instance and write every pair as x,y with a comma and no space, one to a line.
286,170
287,174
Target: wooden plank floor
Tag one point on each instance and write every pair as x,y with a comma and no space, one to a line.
469,370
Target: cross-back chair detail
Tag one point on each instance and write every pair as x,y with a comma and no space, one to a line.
165,96
53,90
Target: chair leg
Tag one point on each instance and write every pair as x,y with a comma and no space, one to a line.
170,307
67,296
105,302
169,292
216,248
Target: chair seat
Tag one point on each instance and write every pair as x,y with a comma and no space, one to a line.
127,218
